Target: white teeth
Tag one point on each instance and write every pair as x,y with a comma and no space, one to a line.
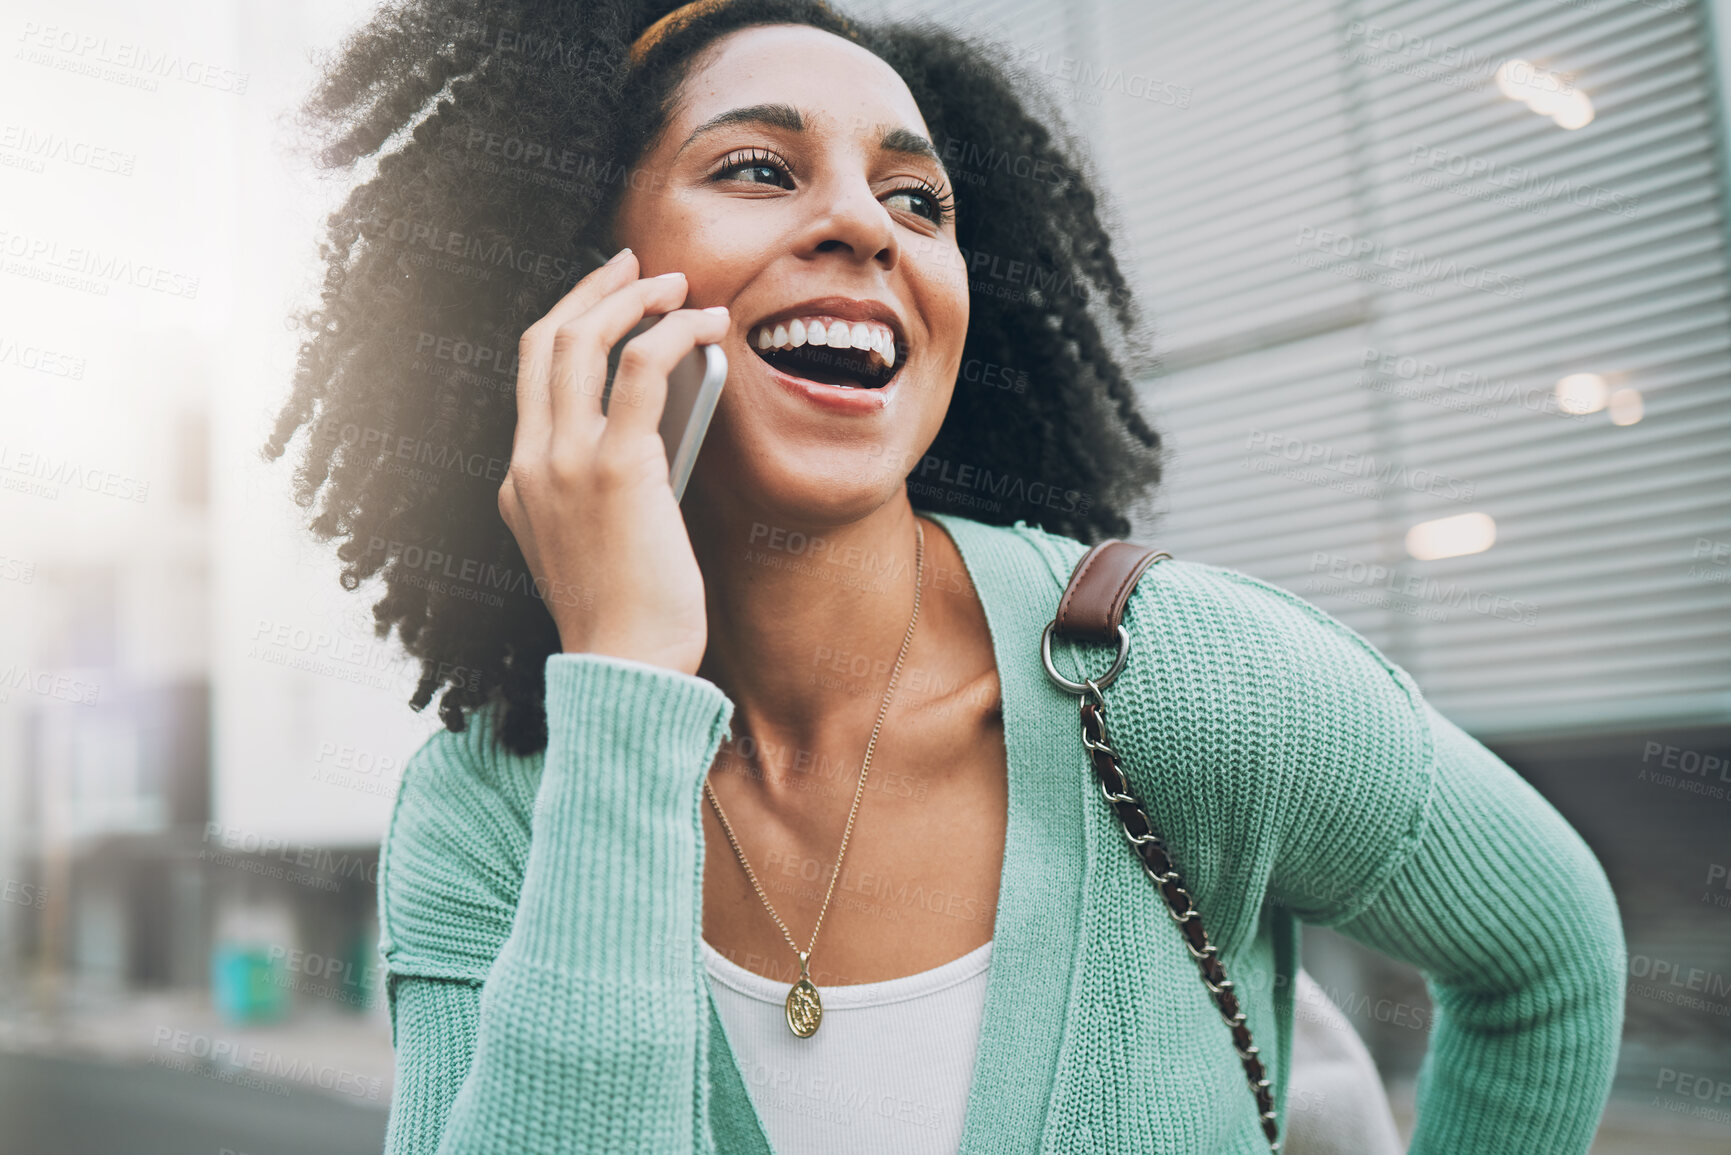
871,337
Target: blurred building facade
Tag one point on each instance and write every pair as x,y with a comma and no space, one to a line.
129,456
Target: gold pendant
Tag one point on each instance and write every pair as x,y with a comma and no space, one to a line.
804,1008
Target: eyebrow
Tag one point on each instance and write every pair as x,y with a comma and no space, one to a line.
784,116
907,141
787,117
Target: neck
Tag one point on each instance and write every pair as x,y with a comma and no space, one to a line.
805,622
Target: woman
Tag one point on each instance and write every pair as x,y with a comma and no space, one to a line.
623,889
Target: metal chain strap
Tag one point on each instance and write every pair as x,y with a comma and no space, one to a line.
1157,864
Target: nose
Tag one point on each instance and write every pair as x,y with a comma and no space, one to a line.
851,220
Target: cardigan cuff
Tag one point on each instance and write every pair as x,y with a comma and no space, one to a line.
614,880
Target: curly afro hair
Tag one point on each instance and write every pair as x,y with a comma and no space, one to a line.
501,138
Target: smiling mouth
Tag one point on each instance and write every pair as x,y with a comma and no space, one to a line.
845,355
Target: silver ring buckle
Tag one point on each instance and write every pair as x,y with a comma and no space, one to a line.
1096,684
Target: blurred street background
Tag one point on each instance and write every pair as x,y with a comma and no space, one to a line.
1444,325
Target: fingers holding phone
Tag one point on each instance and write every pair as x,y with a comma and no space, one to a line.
640,388
692,388
556,365
587,495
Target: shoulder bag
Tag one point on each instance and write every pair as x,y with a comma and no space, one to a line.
1092,610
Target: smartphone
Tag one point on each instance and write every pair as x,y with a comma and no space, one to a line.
693,389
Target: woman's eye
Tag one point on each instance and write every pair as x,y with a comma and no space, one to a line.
917,201
756,172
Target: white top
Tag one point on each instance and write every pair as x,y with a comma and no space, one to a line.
888,1070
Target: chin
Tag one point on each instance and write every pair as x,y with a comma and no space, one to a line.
827,484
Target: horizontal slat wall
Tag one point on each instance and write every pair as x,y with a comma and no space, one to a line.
1262,350
1216,190
1597,523
1591,611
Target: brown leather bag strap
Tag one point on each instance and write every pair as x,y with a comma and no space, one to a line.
1092,610
1093,605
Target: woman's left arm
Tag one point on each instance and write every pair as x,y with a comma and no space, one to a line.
1512,921
1326,785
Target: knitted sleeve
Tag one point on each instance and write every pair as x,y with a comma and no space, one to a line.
589,1027
433,1022
1511,919
1279,752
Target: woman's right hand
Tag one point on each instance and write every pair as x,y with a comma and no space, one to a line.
587,495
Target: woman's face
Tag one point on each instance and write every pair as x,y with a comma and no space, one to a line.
797,184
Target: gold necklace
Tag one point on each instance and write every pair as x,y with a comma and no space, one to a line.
804,1008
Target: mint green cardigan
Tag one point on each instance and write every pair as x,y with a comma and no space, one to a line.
540,916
